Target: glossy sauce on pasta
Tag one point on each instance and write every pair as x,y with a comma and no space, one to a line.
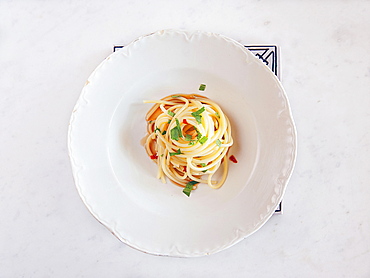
188,137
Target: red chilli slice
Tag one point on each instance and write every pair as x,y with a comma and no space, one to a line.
185,121
154,156
233,159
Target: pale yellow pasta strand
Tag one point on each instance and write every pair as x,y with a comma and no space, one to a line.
214,128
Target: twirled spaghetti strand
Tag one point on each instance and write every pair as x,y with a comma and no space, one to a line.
188,137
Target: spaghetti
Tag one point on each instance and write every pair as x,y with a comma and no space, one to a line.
188,137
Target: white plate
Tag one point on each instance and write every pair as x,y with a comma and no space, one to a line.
117,181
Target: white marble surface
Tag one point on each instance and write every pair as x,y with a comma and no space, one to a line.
49,48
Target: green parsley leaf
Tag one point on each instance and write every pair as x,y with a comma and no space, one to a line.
192,143
188,137
197,115
178,127
169,121
217,115
176,153
202,87
199,135
189,187
203,140
203,165
198,112
175,133
164,132
198,118
218,142
170,113
156,128
175,96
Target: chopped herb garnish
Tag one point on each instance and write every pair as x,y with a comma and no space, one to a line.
199,135
169,121
218,142
178,127
175,133
203,165
189,187
197,115
200,111
188,137
203,140
175,96
170,113
156,128
164,132
176,153
217,115
198,118
202,87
